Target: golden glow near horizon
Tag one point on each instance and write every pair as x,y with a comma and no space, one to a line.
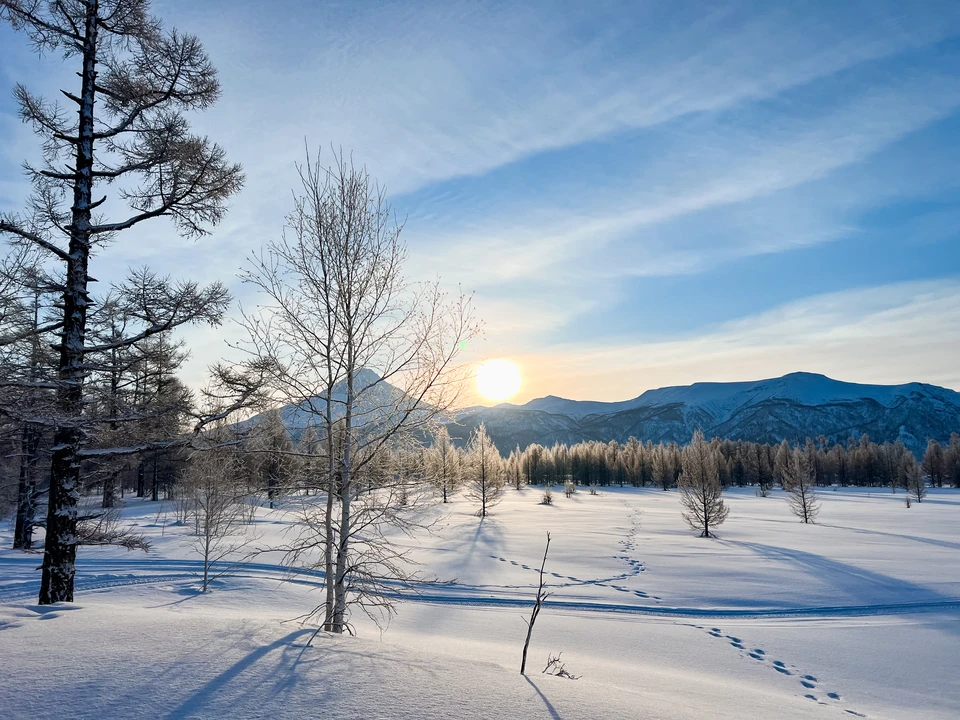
498,379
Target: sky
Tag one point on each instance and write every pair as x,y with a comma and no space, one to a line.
638,194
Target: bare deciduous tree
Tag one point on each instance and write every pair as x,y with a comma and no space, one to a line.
913,479
213,496
700,490
366,356
934,463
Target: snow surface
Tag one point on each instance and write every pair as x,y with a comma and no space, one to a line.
856,616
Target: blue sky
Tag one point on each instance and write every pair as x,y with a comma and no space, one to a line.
639,194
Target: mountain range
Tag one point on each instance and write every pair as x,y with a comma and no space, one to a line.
793,407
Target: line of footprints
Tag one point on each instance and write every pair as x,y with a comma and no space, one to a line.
629,544
809,682
604,582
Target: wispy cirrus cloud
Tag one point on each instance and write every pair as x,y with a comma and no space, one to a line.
702,166
554,156
428,91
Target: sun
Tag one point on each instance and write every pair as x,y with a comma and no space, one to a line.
498,379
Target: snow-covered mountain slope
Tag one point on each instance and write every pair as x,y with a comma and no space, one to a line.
375,397
377,401
792,407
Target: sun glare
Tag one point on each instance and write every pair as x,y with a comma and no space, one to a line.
498,379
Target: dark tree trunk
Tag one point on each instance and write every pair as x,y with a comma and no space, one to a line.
110,490
26,490
60,547
155,493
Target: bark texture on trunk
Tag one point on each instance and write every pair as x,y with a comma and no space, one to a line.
60,547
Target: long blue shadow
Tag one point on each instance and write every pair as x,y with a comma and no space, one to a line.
550,708
196,702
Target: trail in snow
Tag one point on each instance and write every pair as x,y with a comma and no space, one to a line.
110,573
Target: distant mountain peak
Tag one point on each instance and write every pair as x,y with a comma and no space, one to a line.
794,406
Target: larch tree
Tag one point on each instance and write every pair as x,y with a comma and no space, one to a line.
368,356
129,132
515,468
758,468
273,463
781,461
701,493
798,481
26,375
913,479
442,463
135,401
934,463
951,460
484,471
663,467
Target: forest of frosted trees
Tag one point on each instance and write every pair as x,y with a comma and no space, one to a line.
274,461
860,463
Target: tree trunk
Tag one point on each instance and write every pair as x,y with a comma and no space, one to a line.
346,477
541,596
141,479
60,547
155,493
26,490
110,490
328,519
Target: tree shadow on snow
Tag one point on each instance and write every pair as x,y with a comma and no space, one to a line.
205,695
915,538
550,708
866,587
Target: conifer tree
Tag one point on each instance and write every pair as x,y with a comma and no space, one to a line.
934,463
484,471
799,483
128,131
700,491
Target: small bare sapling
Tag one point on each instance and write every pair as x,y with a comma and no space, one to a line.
542,595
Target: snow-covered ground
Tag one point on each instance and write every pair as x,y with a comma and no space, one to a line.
858,615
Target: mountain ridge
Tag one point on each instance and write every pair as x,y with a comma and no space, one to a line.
792,407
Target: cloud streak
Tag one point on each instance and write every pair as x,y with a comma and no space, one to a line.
893,333
555,156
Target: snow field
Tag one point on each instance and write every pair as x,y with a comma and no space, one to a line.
772,619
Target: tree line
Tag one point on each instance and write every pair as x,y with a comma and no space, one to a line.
859,462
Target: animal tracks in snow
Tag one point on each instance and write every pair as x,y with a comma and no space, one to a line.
572,581
808,682
628,544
